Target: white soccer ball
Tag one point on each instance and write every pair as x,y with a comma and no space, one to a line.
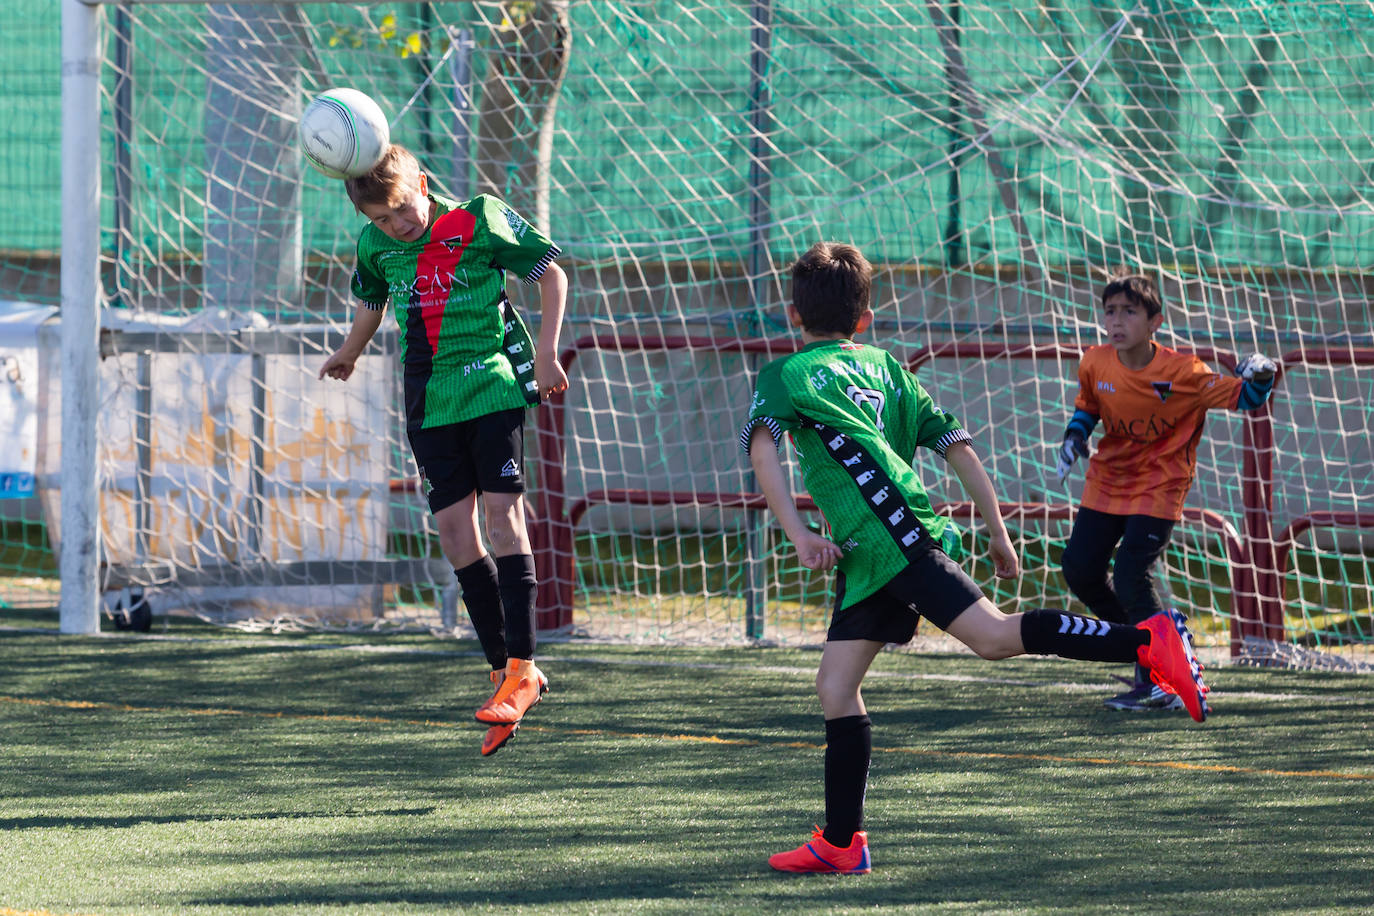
343,133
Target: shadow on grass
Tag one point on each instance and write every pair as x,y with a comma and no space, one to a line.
87,822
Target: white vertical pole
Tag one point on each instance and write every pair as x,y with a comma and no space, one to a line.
78,553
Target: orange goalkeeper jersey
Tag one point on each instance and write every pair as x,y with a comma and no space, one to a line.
1151,418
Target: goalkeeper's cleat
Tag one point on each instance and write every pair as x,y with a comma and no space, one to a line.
818,856
1144,698
497,736
1172,663
524,685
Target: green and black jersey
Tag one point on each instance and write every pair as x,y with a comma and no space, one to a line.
465,350
856,417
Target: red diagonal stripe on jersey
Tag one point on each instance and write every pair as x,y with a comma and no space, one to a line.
448,239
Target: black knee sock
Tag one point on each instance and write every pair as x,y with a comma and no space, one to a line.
515,574
848,750
483,601
1049,632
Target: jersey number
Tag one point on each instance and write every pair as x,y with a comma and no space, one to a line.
872,396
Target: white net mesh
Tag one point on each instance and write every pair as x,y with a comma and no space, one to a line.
991,159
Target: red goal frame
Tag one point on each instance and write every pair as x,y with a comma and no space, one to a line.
1256,558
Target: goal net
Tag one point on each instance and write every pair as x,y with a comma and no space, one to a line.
992,159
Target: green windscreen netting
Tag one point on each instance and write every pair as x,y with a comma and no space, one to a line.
993,160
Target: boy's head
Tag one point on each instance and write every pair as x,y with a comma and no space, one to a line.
1137,288
394,195
1131,312
830,290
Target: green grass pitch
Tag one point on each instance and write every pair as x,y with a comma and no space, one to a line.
200,771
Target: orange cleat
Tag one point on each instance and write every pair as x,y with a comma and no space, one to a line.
819,857
522,686
1172,663
496,738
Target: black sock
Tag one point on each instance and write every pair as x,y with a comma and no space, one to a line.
483,601
848,750
515,575
1049,632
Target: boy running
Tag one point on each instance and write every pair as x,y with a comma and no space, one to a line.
856,416
470,371
1152,402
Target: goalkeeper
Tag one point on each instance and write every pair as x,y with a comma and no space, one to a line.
1151,402
470,370
856,417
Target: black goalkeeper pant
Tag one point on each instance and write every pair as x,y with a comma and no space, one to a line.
1133,593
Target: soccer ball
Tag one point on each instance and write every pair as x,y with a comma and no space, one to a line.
343,133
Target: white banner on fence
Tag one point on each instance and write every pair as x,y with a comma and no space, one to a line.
19,323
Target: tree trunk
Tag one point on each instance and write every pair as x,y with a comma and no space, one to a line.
519,100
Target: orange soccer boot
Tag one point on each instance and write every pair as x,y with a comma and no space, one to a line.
1172,664
819,857
496,738
523,686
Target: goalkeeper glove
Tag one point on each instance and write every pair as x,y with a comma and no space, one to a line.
1074,445
1256,368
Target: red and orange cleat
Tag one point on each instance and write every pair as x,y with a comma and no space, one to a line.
521,687
819,857
1172,664
496,738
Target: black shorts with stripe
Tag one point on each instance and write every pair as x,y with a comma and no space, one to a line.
484,454
931,586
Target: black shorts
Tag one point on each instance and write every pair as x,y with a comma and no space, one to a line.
931,586
484,454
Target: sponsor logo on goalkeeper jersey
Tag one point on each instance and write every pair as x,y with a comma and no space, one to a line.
1163,389
1139,428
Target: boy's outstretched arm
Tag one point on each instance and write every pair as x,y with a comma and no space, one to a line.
964,460
553,295
365,324
813,550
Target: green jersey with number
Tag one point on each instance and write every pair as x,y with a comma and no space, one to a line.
856,416
464,349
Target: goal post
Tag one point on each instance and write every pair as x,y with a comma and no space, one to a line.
79,550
